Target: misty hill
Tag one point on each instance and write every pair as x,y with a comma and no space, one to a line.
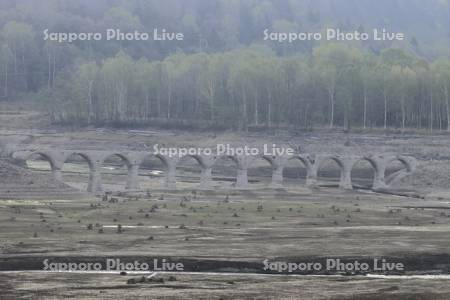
224,25
223,73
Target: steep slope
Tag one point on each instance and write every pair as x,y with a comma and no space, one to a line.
20,183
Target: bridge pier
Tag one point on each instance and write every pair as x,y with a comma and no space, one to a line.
57,172
170,181
206,163
379,182
206,178
312,175
133,160
95,177
242,178
243,162
277,163
95,181
277,177
345,182
346,165
133,177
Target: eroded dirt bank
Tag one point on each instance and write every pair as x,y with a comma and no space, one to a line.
29,285
425,264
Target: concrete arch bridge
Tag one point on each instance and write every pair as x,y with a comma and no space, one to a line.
312,164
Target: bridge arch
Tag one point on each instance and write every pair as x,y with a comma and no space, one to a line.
119,169
188,170
364,171
123,157
85,156
152,166
295,169
86,174
332,172
397,167
238,166
47,156
224,170
199,159
260,169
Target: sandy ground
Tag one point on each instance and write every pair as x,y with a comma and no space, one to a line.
212,286
251,226
225,230
431,151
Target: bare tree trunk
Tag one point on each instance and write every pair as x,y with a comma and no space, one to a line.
365,110
244,111
211,99
269,110
403,113
331,94
54,68
15,61
6,80
256,109
90,101
158,98
24,71
447,106
306,115
147,104
420,118
49,68
431,110
385,110
169,102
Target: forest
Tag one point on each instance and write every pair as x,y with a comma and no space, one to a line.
223,75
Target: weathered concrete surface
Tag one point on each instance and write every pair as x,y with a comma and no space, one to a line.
312,163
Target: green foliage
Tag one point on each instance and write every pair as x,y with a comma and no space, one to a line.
252,87
224,75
